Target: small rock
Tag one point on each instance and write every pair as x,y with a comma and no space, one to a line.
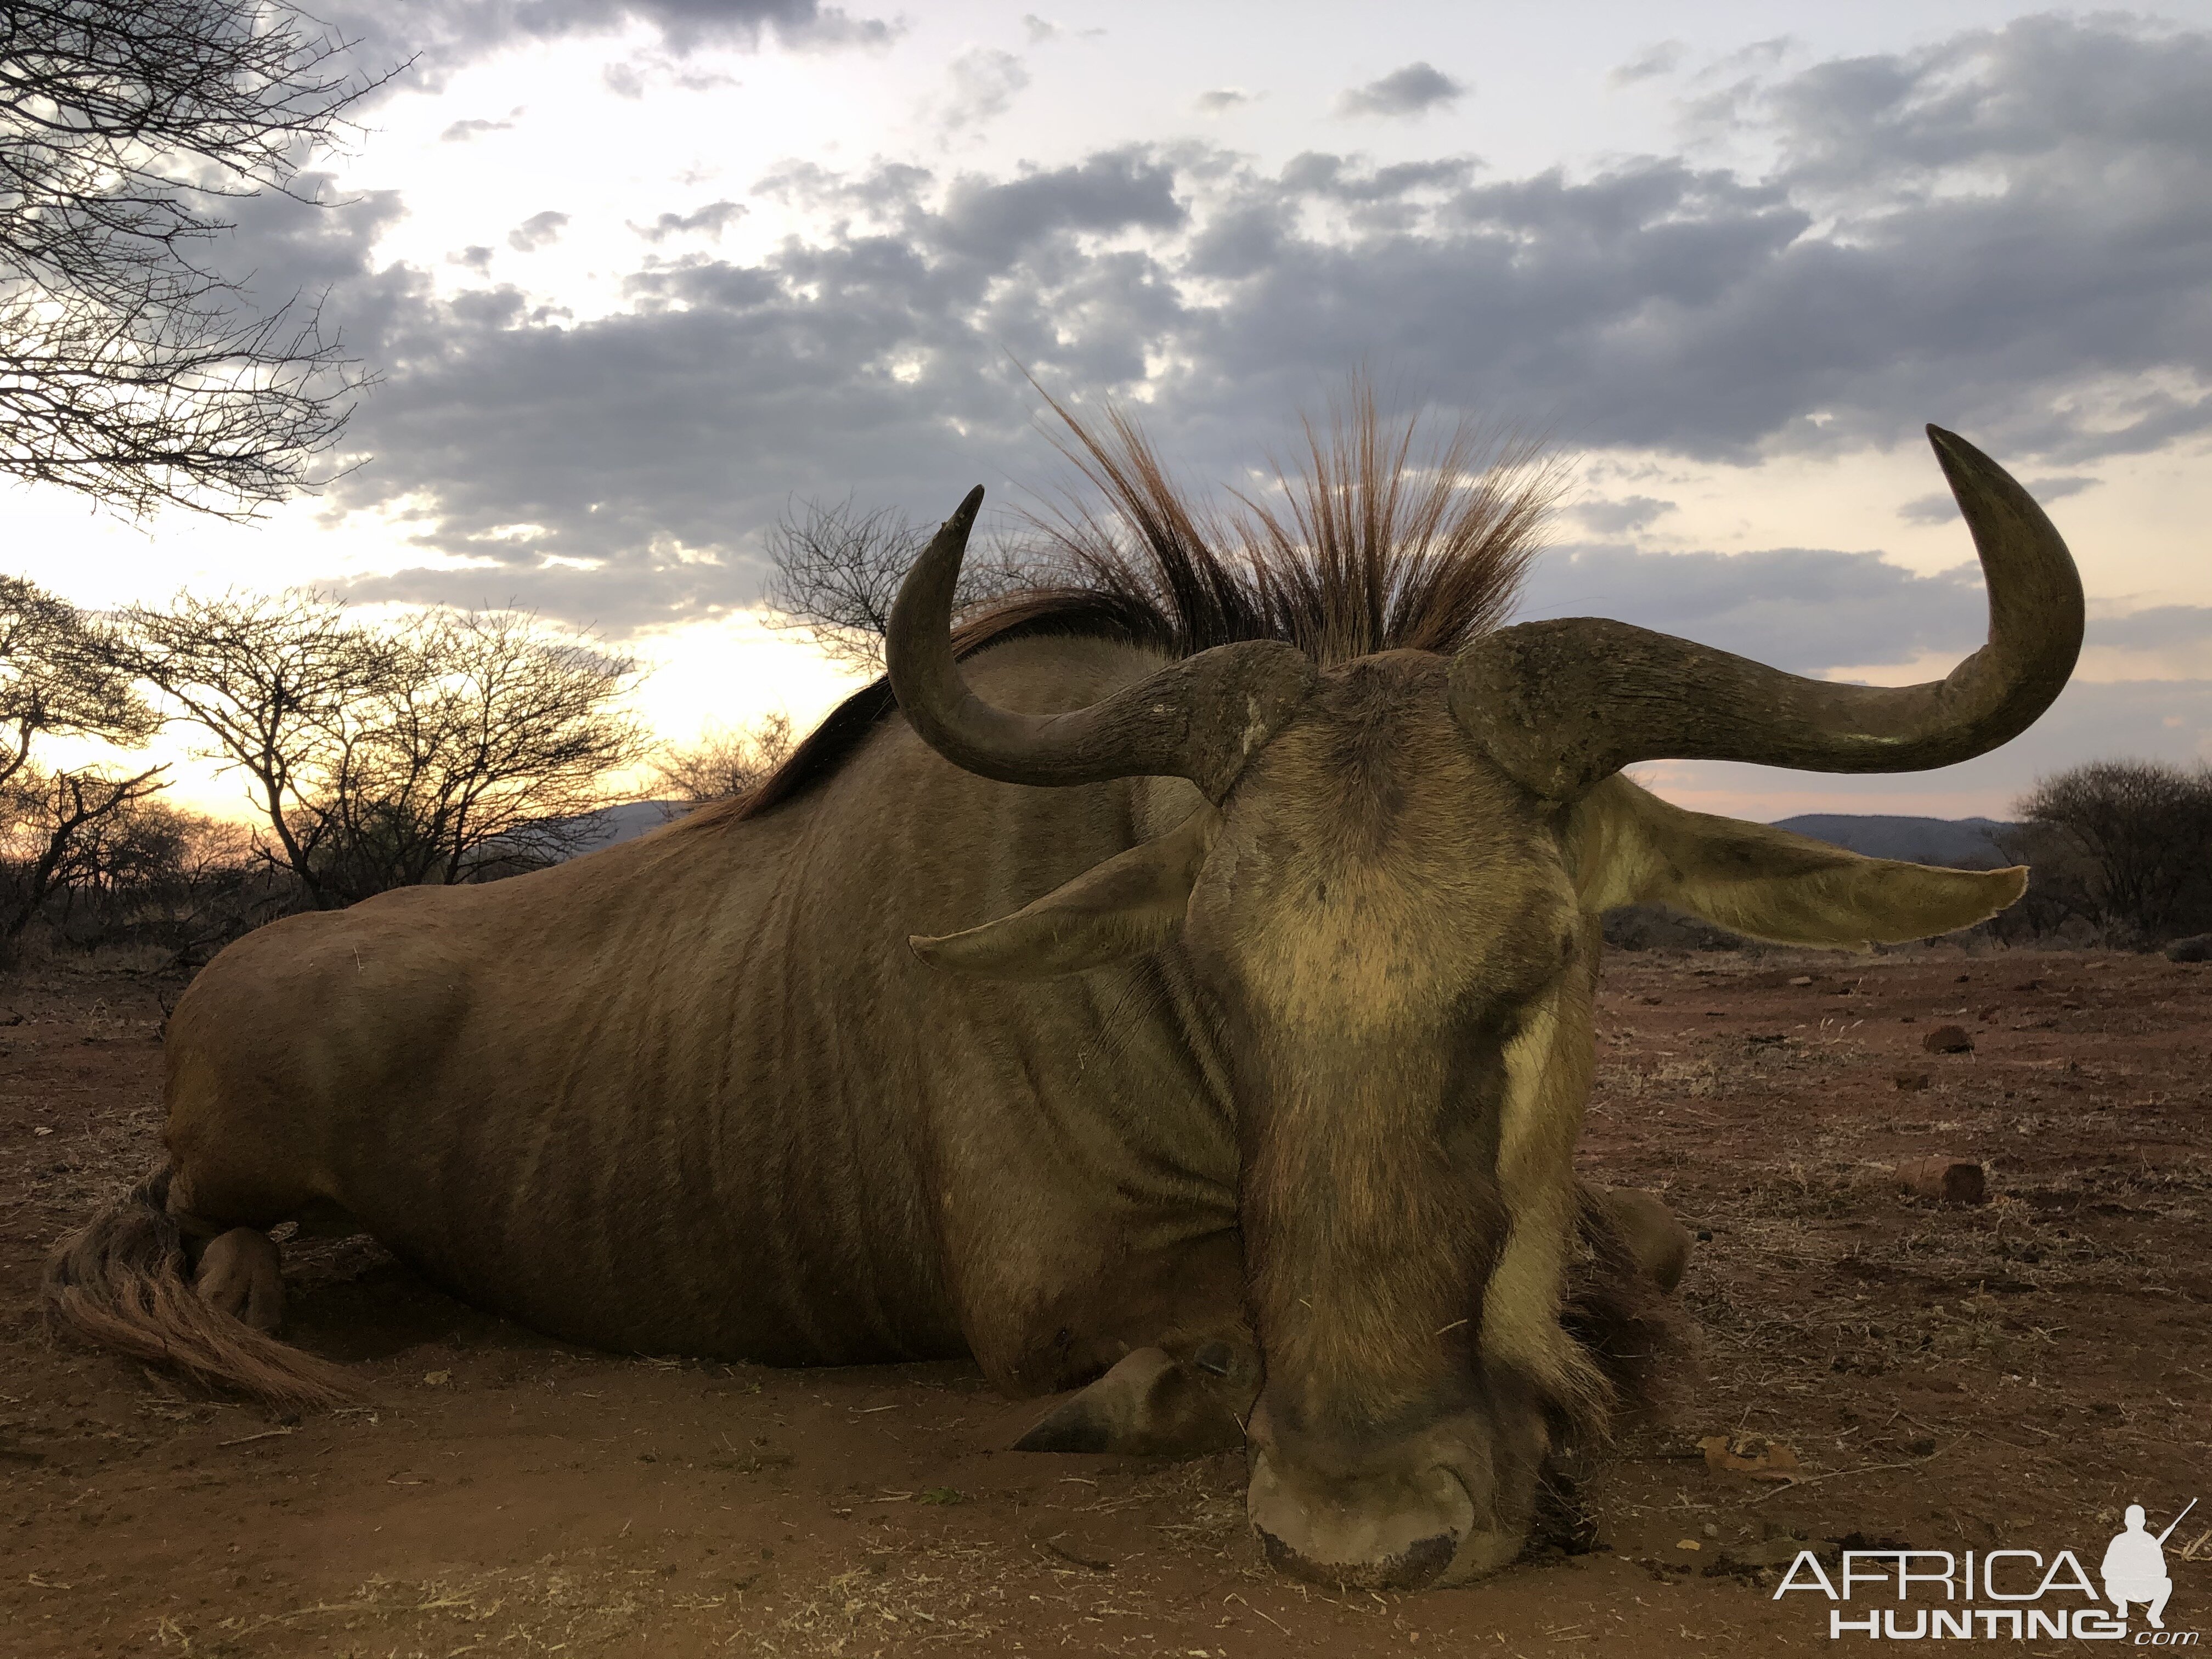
1911,1082
437,1379
1802,979
1948,1040
1944,1178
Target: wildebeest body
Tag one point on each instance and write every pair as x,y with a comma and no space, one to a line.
693,1094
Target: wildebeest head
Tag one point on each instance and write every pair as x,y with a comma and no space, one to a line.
1391,895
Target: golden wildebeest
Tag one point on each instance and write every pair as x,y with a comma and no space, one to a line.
1260,1121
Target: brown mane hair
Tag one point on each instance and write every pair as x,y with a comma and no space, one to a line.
1370,547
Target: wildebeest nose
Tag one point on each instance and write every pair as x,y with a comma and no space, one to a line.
1214,1357
1415,1566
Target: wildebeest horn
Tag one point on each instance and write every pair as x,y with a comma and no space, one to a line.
1562,704
1201,719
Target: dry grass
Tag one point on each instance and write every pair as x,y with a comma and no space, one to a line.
560,1604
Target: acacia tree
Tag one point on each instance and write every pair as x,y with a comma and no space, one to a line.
482,742
437,751
725,763
837,570
52,833
266,677
58,678
130,369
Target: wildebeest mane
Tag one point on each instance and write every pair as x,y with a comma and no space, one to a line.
1367,545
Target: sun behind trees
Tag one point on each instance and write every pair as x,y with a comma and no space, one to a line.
453,746
723,763
58,679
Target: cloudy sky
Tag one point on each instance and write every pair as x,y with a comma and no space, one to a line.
636,278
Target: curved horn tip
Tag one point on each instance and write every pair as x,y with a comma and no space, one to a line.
1953,450
965,514
1949,444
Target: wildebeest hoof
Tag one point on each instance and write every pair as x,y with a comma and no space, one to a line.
1147,1405
242,1273
1659,1244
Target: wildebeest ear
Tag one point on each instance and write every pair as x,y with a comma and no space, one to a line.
1133,903
1628,847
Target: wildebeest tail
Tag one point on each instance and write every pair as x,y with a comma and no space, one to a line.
120,1282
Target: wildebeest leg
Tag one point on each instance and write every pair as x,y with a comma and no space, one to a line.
1157,1404
1656,1240
223,1222
240,1272
1187,1390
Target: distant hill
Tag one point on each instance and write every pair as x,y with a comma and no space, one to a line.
1961,843
611,825
593,832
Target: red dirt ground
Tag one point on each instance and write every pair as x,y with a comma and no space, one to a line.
1948,1378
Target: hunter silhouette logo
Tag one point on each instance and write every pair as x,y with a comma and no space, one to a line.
2013,1594
2135,1566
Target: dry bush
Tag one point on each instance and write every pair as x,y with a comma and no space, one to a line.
2121,849
725,763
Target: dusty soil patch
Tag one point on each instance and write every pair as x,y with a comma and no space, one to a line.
1950,1377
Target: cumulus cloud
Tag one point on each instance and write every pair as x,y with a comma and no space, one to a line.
433,38
1414,90
461,132
2157,626
632,77
984,83
2054,312
1663,58
1039,30
538,230
1614,517
714,219
1219,100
